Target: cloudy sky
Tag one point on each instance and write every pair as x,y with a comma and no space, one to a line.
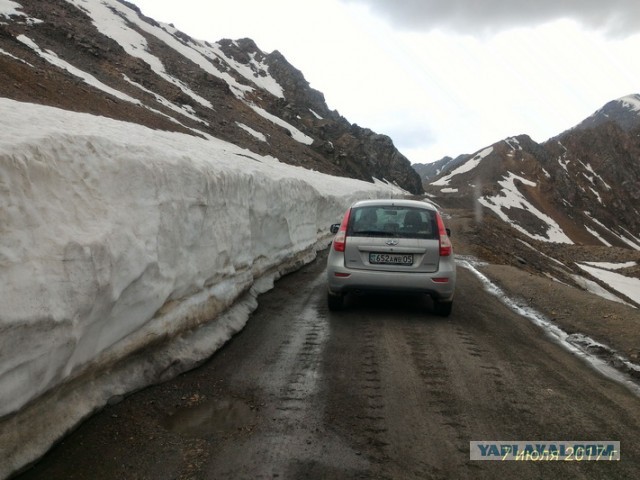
440,77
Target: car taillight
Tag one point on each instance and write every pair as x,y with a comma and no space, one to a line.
445,243
340,240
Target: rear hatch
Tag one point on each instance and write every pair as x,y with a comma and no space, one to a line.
392,238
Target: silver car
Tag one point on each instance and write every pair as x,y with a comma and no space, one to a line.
392,246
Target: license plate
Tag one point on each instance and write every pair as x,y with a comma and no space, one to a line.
391,259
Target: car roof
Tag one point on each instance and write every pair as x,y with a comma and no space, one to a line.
397,202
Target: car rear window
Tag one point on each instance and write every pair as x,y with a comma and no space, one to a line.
384,221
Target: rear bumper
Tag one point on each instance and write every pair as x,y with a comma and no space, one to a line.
343,280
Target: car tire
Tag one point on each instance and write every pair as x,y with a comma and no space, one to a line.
442,309
335,302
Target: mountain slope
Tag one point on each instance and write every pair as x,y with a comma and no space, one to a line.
551,207
428,171
105,57
624,112
582,186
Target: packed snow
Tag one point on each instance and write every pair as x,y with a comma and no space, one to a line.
117,239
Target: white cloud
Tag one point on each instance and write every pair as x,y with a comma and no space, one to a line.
615,17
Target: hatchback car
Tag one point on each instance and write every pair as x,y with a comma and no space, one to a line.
392,246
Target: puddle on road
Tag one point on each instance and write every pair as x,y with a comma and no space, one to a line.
215,417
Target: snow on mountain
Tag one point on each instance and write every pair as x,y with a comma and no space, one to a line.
9,9
510,197
624,111
554,207
113,19
623,284
467,166
53,59
581,187
632,102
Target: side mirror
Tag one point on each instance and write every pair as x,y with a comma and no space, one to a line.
334,228
448,232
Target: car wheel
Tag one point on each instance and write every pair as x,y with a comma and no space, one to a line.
335,302
442,308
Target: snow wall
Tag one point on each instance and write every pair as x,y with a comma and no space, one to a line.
129,255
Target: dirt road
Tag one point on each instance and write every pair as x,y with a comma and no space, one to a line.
383,389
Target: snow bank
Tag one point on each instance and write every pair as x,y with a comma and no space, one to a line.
117,242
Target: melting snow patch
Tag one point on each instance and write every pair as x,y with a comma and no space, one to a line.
186,110
593,287
627,286
597,235
636,240
315,114
590,169
597,196
295,133
4,52
510,197
563,161
117,26
611,266
465,167
9,9
53,59
601,357
544,254
513,143
251,131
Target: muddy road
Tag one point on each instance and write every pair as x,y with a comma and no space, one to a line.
384,389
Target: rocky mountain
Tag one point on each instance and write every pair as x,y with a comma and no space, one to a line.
107,58
428,171
550,206
624,112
